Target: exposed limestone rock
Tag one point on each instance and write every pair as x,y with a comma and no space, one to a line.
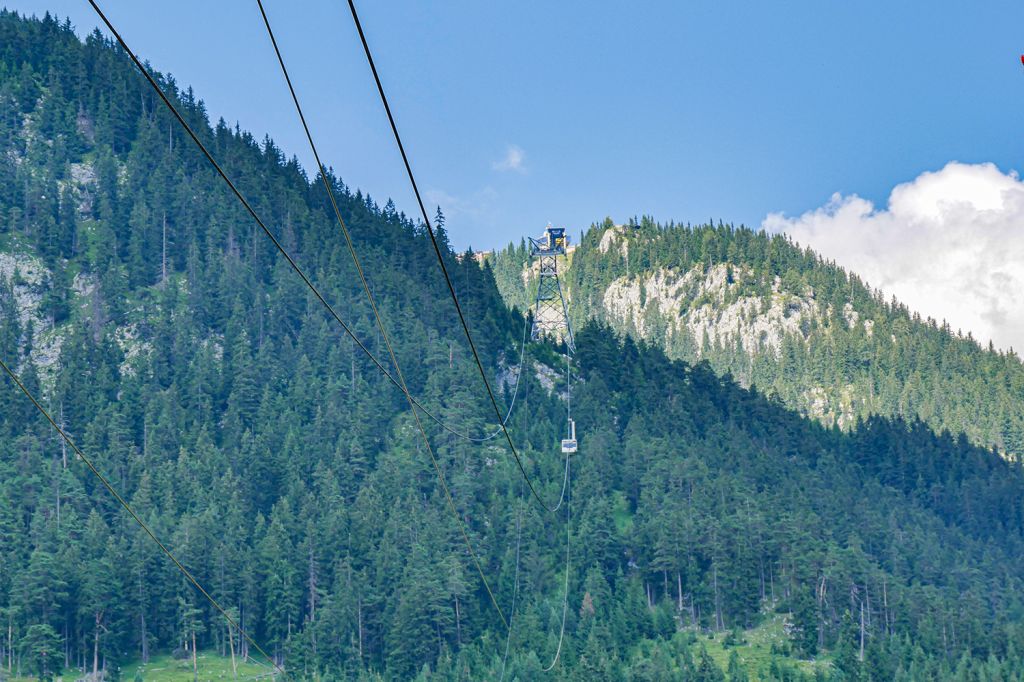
29,278
690,313
610,238
83,178
850,315
607,239
553,379
831,410
217,343
817,402
46,347
84,284
699,302
526,274
546,376
127,338
507,377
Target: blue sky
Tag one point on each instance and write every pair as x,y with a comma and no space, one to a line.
517,114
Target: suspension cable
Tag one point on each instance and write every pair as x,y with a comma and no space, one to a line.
565,598
565,594
440,257
511,405
131,512
465,326
370,297
568,395
316,292
568,518
515,584
341,222
519,535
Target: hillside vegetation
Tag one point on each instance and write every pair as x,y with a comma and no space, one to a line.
772,315
140,302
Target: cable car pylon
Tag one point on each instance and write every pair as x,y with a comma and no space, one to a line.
551,312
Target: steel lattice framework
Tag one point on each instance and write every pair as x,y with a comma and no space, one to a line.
550,313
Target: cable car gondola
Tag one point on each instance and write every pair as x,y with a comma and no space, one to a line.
569,444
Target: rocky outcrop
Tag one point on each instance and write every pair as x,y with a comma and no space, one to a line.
82,184
133,347
29,280
706,304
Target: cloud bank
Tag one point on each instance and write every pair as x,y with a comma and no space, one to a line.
514,160
950,245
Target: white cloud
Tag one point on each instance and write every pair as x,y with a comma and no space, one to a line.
512,161
950,245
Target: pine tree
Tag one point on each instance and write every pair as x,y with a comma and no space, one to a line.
43,646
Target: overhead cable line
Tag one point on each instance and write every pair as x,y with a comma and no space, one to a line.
515,582
519,538
511,404
568,527
440,257
515,591
355,258
515,586
305,279
565,594
469,336
373,304
131,512
565,599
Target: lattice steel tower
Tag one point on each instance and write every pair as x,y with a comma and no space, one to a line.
550,313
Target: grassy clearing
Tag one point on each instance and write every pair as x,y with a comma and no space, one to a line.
754,648
212,667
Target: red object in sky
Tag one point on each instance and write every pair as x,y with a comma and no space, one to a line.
1022,59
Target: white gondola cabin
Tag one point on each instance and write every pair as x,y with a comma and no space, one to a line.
569,444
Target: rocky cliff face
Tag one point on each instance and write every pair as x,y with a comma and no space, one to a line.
703,309
707,305
28,280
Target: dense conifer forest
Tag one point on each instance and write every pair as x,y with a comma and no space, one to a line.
138,299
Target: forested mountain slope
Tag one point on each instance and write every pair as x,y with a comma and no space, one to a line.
773,315
138,299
